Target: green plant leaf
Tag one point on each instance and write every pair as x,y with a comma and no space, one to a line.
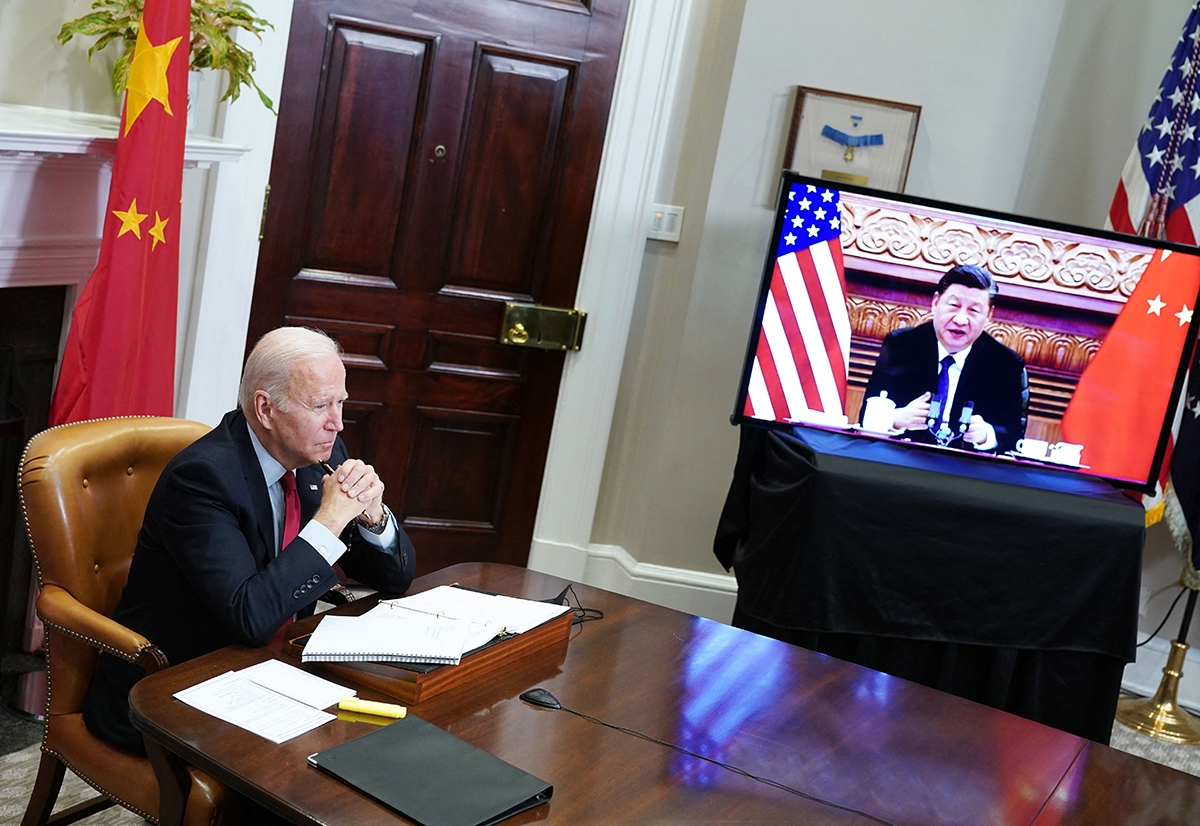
213,23
120,76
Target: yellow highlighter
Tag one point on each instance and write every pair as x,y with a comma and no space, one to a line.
371,707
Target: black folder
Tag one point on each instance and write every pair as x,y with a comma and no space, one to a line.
432,777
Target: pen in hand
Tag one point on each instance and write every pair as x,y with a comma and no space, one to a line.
325,467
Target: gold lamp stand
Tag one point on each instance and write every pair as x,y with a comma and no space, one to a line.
1161,716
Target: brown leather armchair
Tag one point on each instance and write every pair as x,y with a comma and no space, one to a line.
84,489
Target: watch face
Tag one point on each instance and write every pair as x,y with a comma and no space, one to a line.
849,140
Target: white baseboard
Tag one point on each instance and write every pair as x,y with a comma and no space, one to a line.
612,568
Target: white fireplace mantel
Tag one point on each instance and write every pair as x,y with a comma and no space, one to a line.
33,132
55,168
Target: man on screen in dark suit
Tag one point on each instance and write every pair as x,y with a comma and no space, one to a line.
944,364
244,526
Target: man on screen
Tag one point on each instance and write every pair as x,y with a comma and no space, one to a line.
933,370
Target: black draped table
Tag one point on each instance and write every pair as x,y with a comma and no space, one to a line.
1007,584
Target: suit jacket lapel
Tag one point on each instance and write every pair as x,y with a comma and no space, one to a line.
257,485
308,486
929,361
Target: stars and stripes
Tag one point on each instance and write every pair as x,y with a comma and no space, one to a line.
803,350
1156,196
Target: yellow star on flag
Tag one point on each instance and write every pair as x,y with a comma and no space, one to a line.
148,76
156,231
131,220
1184,316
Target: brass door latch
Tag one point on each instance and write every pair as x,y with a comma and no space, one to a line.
546,328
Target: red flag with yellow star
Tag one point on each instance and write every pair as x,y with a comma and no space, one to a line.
120,352
1119,406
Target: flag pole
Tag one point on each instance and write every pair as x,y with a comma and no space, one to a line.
1161,716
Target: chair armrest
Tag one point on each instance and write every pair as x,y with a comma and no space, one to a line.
67,615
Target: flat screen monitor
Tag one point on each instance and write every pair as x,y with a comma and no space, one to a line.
962,329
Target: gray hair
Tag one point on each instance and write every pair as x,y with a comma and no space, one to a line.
271,362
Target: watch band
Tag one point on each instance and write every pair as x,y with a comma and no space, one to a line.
377,527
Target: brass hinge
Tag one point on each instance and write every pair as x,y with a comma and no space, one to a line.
262,225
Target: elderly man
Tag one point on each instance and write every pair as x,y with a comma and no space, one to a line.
244,526
944,364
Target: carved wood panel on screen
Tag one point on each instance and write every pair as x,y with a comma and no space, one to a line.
431,162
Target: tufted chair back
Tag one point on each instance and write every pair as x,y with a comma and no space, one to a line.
84,489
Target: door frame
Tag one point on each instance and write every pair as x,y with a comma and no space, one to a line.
227,256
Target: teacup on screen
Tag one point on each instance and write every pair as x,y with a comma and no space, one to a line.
880,414
1033,448
1067,453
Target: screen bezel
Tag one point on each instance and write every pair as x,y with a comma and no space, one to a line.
788,178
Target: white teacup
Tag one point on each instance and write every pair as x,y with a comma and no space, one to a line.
1032,448
1066,453
880,414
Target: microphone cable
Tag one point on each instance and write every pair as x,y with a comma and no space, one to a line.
542,698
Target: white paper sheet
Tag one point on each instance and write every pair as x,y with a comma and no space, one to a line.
234,699
296,683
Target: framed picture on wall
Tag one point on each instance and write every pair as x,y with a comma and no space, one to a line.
851,139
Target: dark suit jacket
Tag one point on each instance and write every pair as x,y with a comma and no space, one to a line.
993,377
205,575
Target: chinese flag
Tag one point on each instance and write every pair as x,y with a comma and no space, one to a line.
1121,401
120,352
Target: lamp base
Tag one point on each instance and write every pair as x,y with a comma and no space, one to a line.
1161,716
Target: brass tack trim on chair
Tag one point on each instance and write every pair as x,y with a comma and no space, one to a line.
149,818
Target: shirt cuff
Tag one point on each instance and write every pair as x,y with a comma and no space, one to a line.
323,540
385,541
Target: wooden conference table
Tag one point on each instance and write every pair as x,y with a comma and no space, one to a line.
904,753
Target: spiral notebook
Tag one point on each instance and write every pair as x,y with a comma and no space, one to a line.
432,777
391,637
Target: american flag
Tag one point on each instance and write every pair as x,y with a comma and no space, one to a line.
803,351
1156,198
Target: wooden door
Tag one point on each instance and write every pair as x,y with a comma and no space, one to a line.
433,160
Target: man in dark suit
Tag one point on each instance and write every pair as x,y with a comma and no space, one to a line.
231,548
933,370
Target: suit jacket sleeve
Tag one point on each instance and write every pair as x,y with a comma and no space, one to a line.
906,367
998,384
208,526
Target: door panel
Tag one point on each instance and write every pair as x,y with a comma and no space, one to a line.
515,126
432,160
372,95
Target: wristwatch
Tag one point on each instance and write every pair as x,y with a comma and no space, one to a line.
377,527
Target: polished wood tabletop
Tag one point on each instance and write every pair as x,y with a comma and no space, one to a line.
902,753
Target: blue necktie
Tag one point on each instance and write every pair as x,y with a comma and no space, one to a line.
943,389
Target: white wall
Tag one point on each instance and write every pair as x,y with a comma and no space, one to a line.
1109,60
36,71
672,449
